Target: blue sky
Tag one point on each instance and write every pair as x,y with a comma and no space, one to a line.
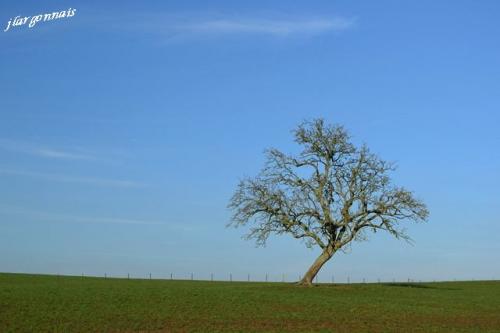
125,129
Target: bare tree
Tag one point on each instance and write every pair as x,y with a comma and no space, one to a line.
328,195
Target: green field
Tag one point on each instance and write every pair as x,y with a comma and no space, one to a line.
38,303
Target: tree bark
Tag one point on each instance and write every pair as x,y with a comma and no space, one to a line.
311,273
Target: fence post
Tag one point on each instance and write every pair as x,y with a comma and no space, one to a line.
171,276
266,277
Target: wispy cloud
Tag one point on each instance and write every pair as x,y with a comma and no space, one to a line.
274,27
71,179
54,217
43,151
51,153
44,216
181,26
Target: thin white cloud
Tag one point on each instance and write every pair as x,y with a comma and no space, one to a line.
42,151
46,152
45,216
71,179
85,219
274,27
193,25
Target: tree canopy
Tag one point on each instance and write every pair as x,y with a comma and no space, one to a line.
328,195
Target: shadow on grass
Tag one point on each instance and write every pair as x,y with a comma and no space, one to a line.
417,285
387,284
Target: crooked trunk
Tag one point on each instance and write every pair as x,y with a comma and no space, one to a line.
316,266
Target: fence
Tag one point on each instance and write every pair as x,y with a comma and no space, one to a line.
283,278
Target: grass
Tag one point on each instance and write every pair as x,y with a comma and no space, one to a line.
42,303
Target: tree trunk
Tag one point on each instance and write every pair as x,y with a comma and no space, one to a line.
308,278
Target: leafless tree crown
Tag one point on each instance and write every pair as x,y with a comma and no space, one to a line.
328,195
